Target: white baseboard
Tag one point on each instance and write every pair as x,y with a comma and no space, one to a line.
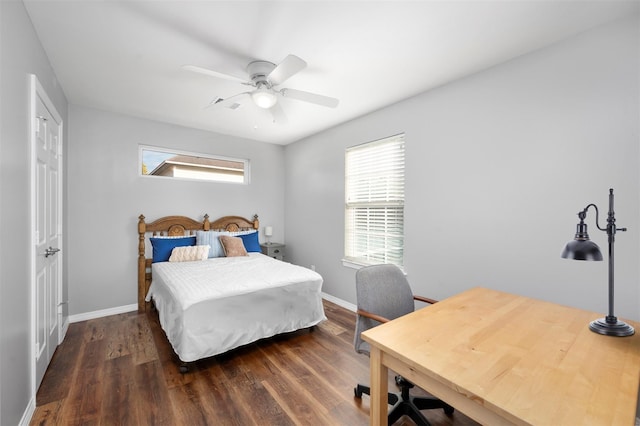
103,313
28,412
340,302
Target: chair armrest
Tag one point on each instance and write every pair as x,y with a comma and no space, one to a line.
425,299
367,314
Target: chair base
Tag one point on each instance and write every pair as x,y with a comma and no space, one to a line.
405,404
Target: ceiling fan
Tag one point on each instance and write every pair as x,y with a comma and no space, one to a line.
264,76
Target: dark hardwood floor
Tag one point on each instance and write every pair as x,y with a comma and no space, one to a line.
121,370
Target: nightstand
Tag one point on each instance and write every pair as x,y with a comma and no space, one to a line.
275,250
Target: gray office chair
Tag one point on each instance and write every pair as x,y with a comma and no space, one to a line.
383,294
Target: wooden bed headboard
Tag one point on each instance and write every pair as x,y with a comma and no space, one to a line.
178,226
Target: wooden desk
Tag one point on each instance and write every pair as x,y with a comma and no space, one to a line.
506,359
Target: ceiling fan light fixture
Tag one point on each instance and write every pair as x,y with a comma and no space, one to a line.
264,97
265,78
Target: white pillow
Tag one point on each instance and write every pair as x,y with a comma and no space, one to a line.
189,253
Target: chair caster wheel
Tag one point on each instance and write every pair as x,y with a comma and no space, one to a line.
448,410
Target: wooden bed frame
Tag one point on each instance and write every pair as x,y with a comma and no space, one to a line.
179,226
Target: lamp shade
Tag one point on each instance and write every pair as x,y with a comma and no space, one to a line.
582,250
268,231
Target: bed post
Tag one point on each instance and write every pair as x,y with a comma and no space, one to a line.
256,222
206,225
142,227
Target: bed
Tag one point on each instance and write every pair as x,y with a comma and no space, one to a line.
217,303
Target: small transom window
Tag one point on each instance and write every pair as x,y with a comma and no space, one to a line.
161,162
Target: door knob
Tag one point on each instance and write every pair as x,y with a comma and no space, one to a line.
50,251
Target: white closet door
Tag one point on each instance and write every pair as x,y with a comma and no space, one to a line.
47,235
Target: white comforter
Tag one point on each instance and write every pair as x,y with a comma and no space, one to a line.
209,307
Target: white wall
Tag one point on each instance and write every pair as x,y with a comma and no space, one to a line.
20,55
498,164
106,195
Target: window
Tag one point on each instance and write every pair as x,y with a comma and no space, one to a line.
162,162
374,207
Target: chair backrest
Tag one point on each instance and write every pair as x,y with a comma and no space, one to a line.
382,290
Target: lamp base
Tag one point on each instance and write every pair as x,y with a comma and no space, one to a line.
617,328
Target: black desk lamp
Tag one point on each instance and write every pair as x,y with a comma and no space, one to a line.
581,248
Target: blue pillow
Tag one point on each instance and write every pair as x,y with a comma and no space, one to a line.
251,242
210,238
162,247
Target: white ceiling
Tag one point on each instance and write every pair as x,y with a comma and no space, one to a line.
126,56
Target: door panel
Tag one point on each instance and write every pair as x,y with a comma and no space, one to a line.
41,314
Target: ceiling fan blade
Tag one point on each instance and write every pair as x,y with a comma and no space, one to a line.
310,97
285,69
216,74
278,114
227,102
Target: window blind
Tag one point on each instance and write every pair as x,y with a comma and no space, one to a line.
374,207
